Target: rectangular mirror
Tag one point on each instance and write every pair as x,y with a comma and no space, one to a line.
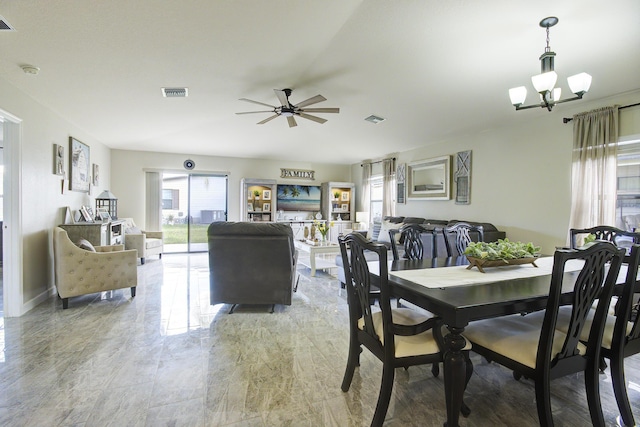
430,178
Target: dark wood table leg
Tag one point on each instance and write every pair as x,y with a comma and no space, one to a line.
454,374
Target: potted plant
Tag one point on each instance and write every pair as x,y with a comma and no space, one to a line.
256,194
336,195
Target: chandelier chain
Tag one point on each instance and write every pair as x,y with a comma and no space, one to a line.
548,48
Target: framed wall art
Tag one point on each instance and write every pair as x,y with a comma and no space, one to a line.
430,178
266,194
266,207
96,175
79,162
401,183
462,177
58,159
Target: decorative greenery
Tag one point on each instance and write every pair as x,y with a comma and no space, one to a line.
590,238
502,249
323,227
336,195
256,193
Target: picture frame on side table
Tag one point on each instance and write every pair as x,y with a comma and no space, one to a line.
85,214
266,194
79,162
103,214
249,207
266,207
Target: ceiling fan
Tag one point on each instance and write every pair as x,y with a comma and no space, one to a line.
289,110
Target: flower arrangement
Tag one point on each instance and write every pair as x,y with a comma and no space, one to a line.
323,227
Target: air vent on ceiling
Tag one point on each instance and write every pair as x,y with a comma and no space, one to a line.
175,92
374,119
5,26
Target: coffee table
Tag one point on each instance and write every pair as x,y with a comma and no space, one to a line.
313,250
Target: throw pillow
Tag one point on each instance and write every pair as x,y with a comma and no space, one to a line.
384,231
86,245
133,230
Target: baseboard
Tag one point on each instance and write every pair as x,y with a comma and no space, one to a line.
37,300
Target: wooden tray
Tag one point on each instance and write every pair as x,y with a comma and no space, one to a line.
482,263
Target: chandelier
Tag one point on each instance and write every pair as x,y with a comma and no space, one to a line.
545,81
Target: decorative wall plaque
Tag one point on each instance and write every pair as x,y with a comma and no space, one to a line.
297,174
462,177
400,182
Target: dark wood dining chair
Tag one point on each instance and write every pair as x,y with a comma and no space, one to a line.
543,353
399,337
618,237
411,237
462,237
621,337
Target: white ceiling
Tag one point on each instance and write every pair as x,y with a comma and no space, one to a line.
432,68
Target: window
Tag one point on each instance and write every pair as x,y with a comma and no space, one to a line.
628,184
375,189
170,199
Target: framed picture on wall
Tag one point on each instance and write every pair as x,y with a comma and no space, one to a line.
266,194
58,159
96,175
249,207
345,196
79,162
345,206
266,207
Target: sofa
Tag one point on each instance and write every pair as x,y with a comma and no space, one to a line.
379,232
81,268
251,263
147,243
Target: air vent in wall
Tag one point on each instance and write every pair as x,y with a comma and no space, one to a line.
175,92
4,25
374,119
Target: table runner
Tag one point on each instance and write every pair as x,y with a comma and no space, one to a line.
460,276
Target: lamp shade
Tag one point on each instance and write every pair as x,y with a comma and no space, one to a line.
544,82
518,95
579,83
555,95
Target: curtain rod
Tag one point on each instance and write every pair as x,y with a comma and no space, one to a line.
377,161
566,120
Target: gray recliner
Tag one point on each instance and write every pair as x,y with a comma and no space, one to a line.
251,263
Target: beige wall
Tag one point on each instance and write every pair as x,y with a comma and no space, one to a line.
128,180
42,200
521,173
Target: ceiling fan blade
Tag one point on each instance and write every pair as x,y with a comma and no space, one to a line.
253,112
282,97
292,121
268,119
313,100
320,110
256,102
314,118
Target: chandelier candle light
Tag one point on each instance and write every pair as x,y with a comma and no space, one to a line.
545,81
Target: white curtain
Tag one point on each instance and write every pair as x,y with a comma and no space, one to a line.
388,187
153,202
593,173
365,196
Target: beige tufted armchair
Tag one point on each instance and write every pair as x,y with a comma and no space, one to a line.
80,271
147,243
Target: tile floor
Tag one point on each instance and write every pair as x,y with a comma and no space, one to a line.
168,358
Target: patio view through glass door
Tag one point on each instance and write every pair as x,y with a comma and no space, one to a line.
190,202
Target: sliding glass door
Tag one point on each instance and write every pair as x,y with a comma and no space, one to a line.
190,202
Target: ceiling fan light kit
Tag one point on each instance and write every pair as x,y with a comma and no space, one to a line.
290,111
544,83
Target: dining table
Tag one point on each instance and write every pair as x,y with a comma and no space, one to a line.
460,294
